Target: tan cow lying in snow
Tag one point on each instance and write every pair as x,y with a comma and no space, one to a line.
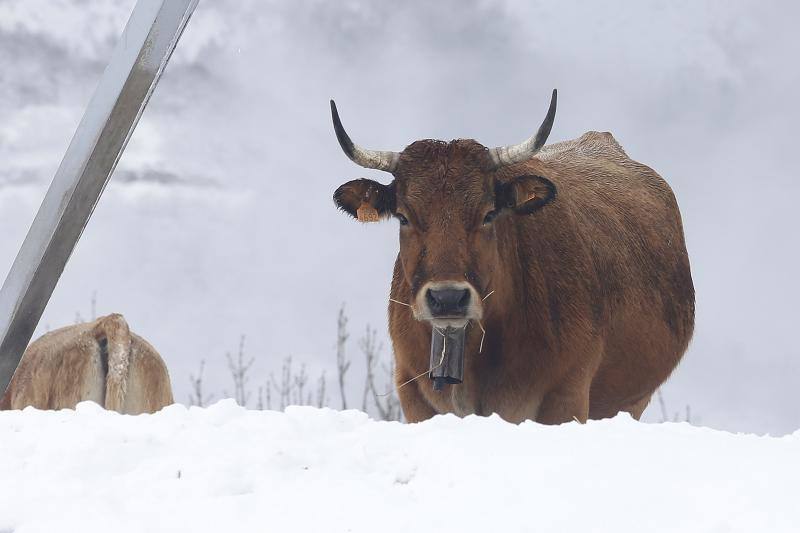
102,361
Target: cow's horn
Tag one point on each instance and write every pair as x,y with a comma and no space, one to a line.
507,155
366,158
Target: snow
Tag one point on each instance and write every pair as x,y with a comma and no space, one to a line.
225,468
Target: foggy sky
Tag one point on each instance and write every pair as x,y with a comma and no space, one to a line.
219,221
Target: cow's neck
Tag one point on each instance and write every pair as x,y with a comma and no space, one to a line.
515,309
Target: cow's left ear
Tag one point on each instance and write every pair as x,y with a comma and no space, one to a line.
525,194
366,200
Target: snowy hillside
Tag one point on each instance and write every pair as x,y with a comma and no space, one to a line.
228,469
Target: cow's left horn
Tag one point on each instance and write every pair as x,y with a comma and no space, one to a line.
507,155
380,160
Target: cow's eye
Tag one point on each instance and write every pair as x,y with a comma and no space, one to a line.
490,216
403,220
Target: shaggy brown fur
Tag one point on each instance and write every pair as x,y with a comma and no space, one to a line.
102,361
593,303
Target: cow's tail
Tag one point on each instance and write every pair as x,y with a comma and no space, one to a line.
117,335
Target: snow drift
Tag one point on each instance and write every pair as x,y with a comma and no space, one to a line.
225,468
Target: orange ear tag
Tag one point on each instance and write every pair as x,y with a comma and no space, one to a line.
367,213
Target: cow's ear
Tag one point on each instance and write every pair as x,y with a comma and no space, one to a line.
366,200
525,194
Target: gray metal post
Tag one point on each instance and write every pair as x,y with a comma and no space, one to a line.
138,60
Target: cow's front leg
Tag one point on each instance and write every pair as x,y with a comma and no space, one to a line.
564,405
415,407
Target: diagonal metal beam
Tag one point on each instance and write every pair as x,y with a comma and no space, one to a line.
138,60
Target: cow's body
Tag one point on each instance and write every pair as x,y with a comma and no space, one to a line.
102,361
571,257
593,304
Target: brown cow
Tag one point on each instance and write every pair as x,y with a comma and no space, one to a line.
102,361
571,256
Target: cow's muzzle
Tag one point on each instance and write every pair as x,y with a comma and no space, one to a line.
448,304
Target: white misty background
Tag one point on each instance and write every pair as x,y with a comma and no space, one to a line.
219,222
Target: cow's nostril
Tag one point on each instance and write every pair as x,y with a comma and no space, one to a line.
448,302
464,301
433,302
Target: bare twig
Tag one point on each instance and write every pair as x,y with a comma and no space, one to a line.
387,405
286,384
322,398
239,369
392,401
342,364
663,405
431,369
676,417
197,397
299,381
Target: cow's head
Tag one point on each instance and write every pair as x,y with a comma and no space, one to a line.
448,199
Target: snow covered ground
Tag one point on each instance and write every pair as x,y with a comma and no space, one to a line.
225,468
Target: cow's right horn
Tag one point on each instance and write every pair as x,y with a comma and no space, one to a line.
380,160
517,153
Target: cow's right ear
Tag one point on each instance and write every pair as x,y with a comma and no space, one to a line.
366,200
525,194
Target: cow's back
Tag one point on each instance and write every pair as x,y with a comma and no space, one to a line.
612,247
622,218
149,387
58,370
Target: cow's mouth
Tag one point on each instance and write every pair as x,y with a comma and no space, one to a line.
449,322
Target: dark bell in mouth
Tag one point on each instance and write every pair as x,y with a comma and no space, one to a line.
447,356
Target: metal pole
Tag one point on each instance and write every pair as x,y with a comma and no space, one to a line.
138,60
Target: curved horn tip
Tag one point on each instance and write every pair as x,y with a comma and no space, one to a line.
547,124
553,98
507,155
335,115
376,159
341,135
